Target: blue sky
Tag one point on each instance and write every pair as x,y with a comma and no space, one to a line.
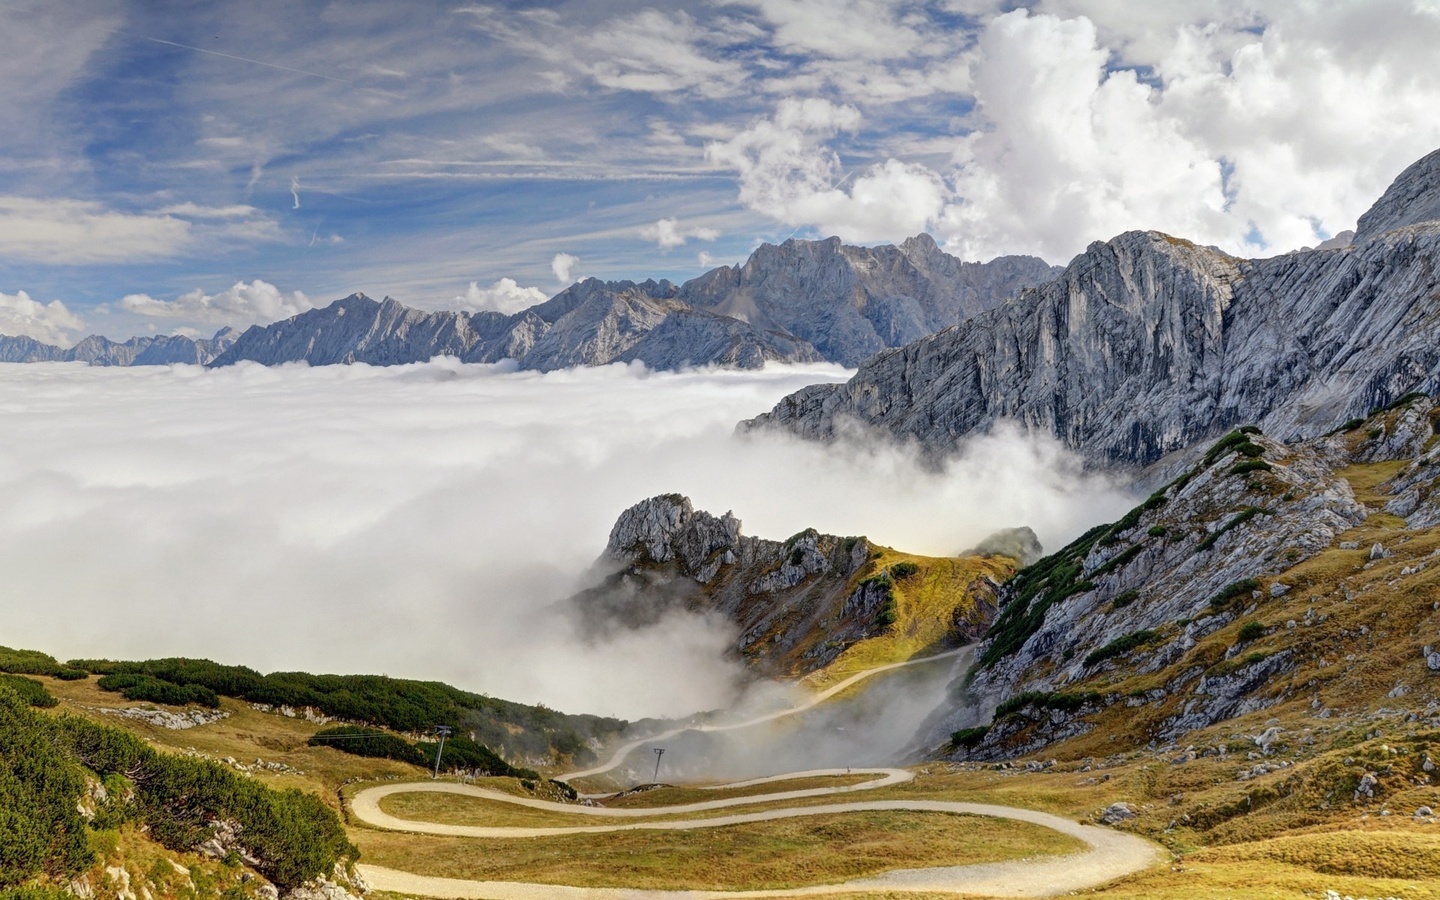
171,166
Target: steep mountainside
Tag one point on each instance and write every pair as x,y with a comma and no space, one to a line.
811,602
1294,583
1147,344
161,350
852,302
801,301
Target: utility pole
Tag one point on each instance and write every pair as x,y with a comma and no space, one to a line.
444,731
659,752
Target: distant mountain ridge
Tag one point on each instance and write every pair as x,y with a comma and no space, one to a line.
157,350
800,301
1148,344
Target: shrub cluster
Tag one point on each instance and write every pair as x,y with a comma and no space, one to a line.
903,570
29,690
1033,590
1229,592
149,689
1120,645
33,662
969,737
395,703
359,741
1250,631
1042,700
1239,519
294,835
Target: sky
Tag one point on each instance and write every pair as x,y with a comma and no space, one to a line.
172,166
423,521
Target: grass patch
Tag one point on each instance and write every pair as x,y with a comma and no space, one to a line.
785,853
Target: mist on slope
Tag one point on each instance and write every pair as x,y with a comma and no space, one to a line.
419,521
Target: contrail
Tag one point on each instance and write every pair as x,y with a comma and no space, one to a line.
245,59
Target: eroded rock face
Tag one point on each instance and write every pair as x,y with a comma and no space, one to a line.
785,599
1147,344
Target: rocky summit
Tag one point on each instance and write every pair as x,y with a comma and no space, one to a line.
1147,344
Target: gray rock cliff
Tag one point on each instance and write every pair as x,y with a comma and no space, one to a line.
1148,344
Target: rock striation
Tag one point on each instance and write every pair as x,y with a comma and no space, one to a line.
159,350
1147,344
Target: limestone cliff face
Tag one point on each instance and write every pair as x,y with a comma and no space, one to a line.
1147,344
852,302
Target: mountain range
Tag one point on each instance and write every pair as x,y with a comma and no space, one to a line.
800,301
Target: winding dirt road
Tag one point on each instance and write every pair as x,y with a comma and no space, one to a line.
1111,854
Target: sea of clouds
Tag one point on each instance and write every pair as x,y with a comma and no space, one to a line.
422,521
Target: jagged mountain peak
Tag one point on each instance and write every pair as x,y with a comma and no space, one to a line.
1412,199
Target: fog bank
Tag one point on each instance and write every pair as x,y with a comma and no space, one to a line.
415,520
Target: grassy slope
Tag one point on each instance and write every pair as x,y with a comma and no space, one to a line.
926,605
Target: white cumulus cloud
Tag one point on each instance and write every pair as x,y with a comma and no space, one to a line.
1259,127
505,295
563,265
669,233
243,303
49,323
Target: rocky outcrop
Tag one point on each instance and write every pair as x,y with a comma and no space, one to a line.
796,605
159,350
1147,344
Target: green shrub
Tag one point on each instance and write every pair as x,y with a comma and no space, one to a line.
1225,445
903,570
463,753
33,662
293,834
1249,429
1034,590
1250,465
41,831
1352,424
1250,631
1374,433
1158,531
1227,594
359,741
1121,645
1017,702
1123,600
1250,450
1239,519
887,614
148,689
1041,700
29,690
1120,559
969,737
